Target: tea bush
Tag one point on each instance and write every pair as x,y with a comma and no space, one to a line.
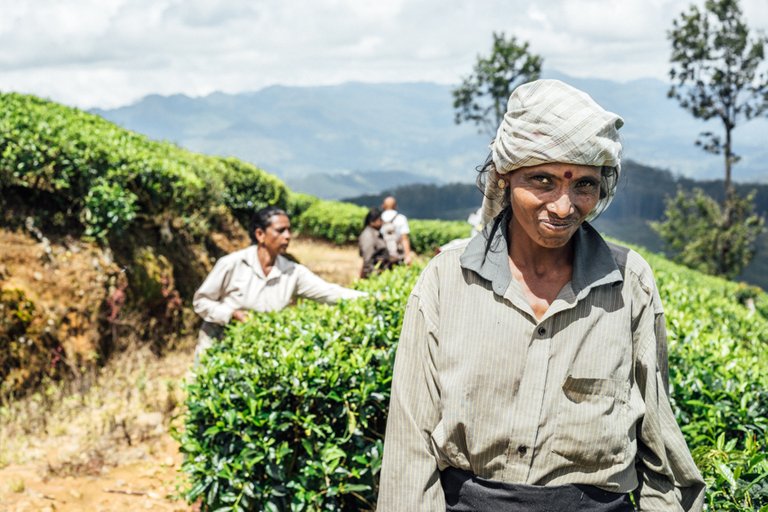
719,383
428,235
108,177
288,412
334,221
297,203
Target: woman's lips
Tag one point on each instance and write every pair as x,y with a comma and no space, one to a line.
558,224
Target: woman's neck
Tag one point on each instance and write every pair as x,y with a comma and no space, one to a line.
541,271
529,256
266,259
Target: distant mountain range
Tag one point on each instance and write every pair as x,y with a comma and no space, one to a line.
321,140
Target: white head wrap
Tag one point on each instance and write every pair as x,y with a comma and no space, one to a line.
549,121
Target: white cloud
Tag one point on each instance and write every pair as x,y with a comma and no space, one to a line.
111,52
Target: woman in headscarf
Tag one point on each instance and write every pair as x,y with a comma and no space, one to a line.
258,278
531,373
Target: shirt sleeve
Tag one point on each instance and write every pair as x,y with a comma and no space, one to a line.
410,479
208,299
309,285
668,477
402,224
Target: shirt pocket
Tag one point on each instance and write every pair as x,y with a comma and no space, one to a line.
591,427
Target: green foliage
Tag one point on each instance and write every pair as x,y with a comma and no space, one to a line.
77,163
719,71
335,221
342,223
248,189
107,207
719,377
703,238
289,412
482,96
297,203
428,235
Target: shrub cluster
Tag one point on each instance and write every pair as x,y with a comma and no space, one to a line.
81,165
288,412
719,383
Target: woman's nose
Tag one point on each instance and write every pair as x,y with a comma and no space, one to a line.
562,206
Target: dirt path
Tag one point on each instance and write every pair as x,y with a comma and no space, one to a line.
146,485
109,448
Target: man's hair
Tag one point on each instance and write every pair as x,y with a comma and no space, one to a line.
262,219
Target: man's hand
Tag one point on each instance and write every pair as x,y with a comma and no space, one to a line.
240,315
406,241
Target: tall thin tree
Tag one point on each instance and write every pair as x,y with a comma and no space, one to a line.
718,72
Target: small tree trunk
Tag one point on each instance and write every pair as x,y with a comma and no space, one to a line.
728,205
728,165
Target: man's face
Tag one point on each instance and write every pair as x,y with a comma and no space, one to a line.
277,236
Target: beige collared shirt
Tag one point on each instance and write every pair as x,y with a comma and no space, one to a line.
237,281
577,397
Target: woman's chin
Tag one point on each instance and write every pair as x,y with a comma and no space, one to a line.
555,237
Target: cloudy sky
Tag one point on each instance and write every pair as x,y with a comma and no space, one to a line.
108,53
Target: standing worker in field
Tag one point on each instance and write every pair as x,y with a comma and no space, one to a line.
531,373
258,278
396,231
372,246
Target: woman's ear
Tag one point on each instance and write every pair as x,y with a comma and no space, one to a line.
260,235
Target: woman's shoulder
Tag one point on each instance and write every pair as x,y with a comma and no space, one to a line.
632,265
445,266
369,232
236,256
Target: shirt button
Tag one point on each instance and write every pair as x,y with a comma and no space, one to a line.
542,331
522,450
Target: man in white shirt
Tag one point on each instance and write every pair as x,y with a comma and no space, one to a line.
258,278
400,222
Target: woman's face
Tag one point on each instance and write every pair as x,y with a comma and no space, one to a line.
550,201
277,236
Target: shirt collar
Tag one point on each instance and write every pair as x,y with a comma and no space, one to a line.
251,258
593,263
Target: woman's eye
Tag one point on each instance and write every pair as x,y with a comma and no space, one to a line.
586,184
544,180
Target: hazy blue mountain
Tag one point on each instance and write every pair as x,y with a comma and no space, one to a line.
306,135
295,132
350,184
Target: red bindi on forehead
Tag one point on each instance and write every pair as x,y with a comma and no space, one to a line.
568,175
